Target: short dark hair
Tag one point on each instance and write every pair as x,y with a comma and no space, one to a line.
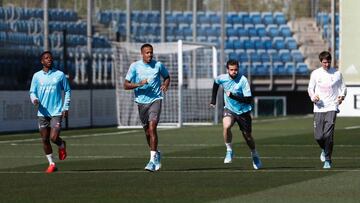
45,52
146,45
325,55
232,62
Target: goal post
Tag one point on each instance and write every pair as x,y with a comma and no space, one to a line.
192,68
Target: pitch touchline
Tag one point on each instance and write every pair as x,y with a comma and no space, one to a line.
187,171
180,145
180,157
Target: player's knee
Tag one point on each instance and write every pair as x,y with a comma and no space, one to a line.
45,139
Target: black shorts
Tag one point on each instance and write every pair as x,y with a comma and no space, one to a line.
243,120
49,122
149,112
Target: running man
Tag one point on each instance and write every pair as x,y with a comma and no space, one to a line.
144,78
46,93
327,90
238,98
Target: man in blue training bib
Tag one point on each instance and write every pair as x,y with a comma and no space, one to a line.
237,98
46,93
144,78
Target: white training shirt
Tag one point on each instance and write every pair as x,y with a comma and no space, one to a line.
328,85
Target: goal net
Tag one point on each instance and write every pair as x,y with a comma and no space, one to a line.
192,68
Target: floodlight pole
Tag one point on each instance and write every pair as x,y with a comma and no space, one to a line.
333,39
46,25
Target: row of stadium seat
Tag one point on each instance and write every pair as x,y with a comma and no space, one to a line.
14,13
207,17
270,55
277,68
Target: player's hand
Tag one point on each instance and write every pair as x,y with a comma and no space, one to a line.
212,105
316,98
65,114
340,99
164,88
36,102
143,82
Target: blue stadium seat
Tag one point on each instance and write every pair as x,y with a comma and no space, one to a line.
255,17
245,17
229,44
202,18
274,55
242,56
242,32
260,30
302,69
267,18
285,31
267,42
233,55
251,30
264,55
272,30
285,55
244,68
297,56
290,68
279,18
215,19
258,43
254,56
278,43
279,68
238,44
290,43
248,44
231,32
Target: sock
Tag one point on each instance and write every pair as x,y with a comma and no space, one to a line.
254,152
50,159
152,155
62,145
228,146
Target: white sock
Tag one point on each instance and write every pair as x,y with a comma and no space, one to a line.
152,155
50,159
228,146
62,145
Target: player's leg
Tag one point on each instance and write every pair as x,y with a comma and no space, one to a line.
154,117
329,126
245,123
55,136
44,129
228,122
319,120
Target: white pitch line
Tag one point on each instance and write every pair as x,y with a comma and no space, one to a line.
179,145
72,136
178,157
188,171
352,127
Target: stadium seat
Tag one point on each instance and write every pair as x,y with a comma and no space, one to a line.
272,30
267,42
290,68
302,69
285,31
248,44
279,68
279,18
278,43
290,43
267,18
245,17
242,56
285,55
274,56
297,56
251,30
255,17
238,44
260,30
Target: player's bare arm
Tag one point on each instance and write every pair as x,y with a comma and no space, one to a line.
165,86
129,85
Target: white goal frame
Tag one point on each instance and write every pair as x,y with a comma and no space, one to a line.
204,85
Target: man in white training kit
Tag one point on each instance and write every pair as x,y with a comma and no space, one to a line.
327,90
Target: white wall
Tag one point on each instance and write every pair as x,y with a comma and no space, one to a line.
18,114
347,108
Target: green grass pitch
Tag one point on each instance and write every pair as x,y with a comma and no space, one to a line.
107,165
